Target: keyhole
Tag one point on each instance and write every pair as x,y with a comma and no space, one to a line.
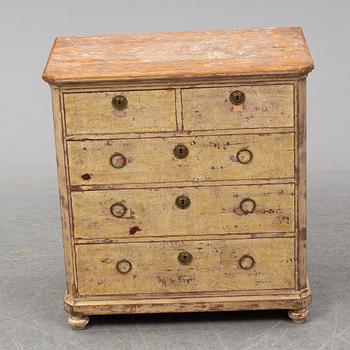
237,97
181,151
185,258
119,102
182,202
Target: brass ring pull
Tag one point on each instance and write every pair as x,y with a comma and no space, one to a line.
185,258
182,202
237,97
118,209
124,266
119,102
244,156
181,151
246,262
117,160
247,206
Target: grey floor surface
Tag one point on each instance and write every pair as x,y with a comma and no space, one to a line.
32,285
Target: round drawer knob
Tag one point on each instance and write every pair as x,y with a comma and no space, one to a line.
181,151
246,262
119,102
182,202
237,97
124,266
118,160
185,258
244,156
247,206
118,210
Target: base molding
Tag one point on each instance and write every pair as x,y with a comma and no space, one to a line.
295,302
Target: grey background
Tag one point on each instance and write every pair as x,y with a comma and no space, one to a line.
31,261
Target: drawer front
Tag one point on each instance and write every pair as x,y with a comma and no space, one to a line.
106,112
159,267
263,107
262,156
158,212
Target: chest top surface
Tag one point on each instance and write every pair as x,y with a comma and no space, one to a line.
217,53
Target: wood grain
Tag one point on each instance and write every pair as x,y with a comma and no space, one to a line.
251,52
264,106
156,269
152,212
93,113
210,158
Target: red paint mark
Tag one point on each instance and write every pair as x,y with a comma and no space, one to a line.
134,229
238,211
86,176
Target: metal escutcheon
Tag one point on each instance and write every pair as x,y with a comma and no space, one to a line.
237,97
124,266
182,202
117,160
246,262
185,258
119,102
247,206
118,209
244,156
181,151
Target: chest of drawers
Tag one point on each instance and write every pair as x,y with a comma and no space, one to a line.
182,171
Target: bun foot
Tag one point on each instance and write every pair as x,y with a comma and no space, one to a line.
78,322
299,315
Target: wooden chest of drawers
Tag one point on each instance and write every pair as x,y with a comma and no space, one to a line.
182,171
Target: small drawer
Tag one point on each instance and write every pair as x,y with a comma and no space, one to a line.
120,112
238,107
197,159
185,266
184,211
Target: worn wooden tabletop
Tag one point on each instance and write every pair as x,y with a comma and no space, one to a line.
246,52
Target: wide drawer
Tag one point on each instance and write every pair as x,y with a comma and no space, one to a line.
263,107
229,157
157,212
120,112
185,266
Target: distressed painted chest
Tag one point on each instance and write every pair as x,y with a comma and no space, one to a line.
182,171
